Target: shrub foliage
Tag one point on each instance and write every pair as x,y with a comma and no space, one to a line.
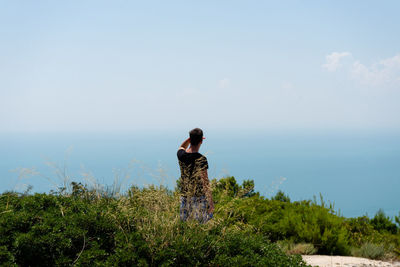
142,228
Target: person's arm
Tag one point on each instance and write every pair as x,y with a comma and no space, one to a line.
185,144
207,190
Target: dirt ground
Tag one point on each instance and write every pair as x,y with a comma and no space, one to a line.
337,261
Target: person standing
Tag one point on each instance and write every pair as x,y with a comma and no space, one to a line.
193,184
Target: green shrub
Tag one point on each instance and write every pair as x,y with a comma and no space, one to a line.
302,222
371,251
281,196
57,230
228,188
141,228
6,257
397,219
303,249
241,249
360,230
290,248
382,223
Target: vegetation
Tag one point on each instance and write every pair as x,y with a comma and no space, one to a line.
306,227
86,226
140,228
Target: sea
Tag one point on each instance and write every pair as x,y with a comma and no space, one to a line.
358,173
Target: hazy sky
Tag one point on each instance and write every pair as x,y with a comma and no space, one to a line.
256,65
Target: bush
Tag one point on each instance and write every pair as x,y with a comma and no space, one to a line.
382,223
51,230
360,230
228,188
281,196
241,249
290,248
371,251
303,249
302,222
141,228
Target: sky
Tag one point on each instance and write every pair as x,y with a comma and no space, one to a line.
125,66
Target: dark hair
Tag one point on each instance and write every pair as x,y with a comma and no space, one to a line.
196,136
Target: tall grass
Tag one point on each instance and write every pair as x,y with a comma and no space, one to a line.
138,228
142,224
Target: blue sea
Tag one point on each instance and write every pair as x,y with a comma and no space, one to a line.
358,173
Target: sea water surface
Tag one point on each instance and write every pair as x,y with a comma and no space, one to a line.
359,173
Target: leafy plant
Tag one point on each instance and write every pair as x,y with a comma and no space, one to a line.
90,226
289,247
140,228
382,223
371,251
281,196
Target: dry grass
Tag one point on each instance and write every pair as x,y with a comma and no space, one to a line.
291,248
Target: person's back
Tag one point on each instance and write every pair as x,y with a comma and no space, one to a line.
194,186
192,165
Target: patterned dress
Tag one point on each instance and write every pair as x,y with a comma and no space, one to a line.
193,201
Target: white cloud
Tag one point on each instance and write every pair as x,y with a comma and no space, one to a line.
385,72
224,83
333,60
